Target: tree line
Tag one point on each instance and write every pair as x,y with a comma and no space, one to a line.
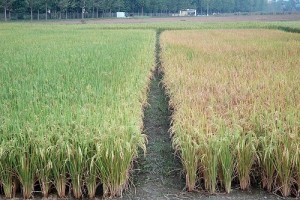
65,9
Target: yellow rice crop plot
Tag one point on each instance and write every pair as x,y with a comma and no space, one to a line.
236,100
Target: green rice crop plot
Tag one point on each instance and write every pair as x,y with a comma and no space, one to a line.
235,95
71,107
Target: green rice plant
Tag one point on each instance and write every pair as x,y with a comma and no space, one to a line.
7,178
43,152
71,104
77,153
59,168
24,163
114,159
91,177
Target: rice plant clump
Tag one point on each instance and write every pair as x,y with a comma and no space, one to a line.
235,95
71,108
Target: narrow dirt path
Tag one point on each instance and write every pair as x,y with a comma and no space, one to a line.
159,171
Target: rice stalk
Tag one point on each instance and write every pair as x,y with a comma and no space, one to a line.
24,164
188,148
59,168
226,155
268,145
43,151
284,163
91,177
76,166
208,149
116,160
246,149
297,168
7,178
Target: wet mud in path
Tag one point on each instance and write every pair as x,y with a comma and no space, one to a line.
158,174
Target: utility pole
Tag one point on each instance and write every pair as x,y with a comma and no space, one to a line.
83,10
207,8
46,10
5,17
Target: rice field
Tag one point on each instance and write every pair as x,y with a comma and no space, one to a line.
71,108
236,101
72,98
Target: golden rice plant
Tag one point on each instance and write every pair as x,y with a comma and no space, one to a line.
268,145
235,97
186,144
227,156
246,149
297,169
209,162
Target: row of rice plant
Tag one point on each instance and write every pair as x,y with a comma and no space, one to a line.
236,101
71,108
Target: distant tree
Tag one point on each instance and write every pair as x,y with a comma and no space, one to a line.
142,4
228,6
133,6
223,6
207,5
63,7
82,5
109,5
31,4
241,5
153,6
7,5
184,4
171,6
19,8
47,8
98,5
119,5
129,5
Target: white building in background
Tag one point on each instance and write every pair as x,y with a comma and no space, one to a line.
188,12
121,15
